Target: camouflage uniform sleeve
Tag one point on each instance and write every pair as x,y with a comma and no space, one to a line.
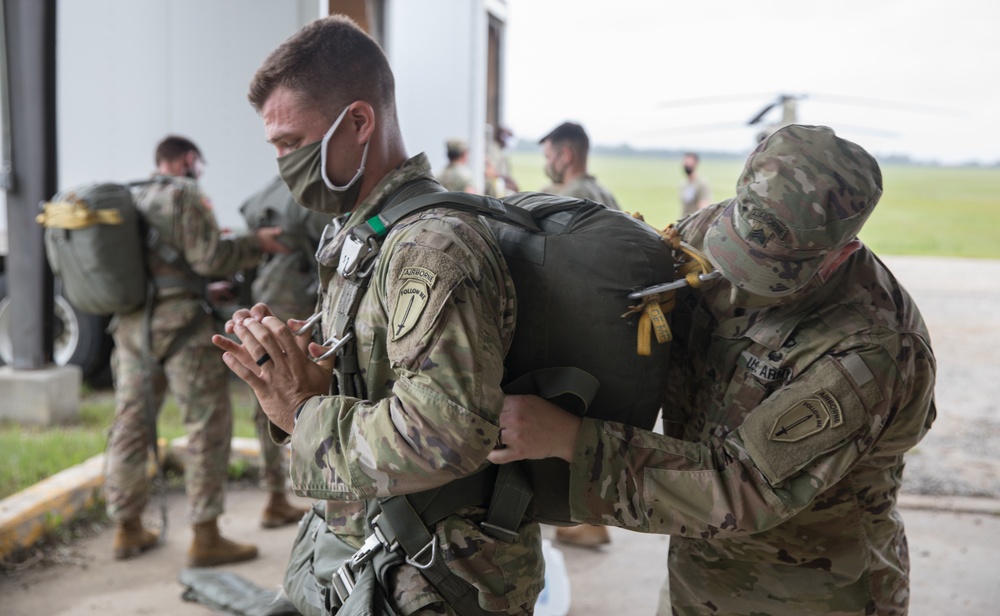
797,443
204,249
440,421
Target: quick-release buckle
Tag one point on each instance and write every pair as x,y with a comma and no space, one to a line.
372,544
342,583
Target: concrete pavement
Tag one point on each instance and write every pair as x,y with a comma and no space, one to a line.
954,558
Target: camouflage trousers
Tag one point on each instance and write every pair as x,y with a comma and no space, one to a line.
273,460
185,361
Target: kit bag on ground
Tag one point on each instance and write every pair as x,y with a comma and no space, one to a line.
573,263
94,242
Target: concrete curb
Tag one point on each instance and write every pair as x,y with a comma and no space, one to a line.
27,516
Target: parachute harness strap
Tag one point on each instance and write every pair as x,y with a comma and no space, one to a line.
654,307
73,213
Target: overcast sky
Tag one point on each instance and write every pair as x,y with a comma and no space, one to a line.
612,64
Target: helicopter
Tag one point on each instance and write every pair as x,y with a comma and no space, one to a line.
766,120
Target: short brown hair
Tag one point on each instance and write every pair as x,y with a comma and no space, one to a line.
173,147
330,62
572,136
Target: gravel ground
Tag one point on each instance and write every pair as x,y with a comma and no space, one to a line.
959,299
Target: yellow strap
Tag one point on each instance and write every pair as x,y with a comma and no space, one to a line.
73,214
654,308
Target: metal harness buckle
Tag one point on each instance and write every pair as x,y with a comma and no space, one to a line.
356,254
343,579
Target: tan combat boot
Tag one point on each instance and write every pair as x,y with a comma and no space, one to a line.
280,512
209,548
131,538
584,535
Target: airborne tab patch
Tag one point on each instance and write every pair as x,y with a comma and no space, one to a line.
807,417
411,300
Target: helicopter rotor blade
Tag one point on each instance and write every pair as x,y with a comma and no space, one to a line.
885,104
713,100
694,128
763,112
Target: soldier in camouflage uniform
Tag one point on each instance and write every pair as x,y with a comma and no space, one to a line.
180,356
287,283
431,333
798,383
566,149
456,176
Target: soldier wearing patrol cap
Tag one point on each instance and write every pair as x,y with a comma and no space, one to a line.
417,324
798,382
456,177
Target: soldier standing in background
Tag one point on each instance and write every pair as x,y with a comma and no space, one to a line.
798,381
415,402
694,194
456,177
287,283
566,149
499,182
180,356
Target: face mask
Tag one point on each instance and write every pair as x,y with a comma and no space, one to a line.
557,177
746,299
304,171
195,170
688,169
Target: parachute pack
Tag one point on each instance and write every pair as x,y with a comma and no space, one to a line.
578,339
94,243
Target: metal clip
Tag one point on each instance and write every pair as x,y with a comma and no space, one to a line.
336,346
371,545
307,326
432,544
670,286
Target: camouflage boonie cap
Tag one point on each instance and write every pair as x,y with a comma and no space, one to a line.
803,193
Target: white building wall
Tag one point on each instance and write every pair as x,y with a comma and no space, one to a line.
129,73
437,50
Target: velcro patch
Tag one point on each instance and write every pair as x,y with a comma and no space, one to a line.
805,418
418,273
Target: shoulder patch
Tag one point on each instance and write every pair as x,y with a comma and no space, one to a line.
807,417
412,297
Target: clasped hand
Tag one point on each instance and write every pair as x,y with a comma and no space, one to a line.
289,377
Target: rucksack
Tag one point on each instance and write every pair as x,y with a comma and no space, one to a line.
573,263
94,244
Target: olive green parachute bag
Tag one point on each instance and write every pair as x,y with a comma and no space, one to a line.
94,243
579,340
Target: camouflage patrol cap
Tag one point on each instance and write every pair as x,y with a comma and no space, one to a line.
803,193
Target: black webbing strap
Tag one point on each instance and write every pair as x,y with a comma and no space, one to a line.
345,365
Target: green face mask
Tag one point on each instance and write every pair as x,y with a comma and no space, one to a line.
304,171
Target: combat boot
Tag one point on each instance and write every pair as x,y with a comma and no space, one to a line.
280,512
131,539
584,535
209,548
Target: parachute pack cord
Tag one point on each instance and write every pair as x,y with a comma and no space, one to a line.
693,268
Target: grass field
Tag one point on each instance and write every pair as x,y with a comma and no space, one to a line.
28,454
937,211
